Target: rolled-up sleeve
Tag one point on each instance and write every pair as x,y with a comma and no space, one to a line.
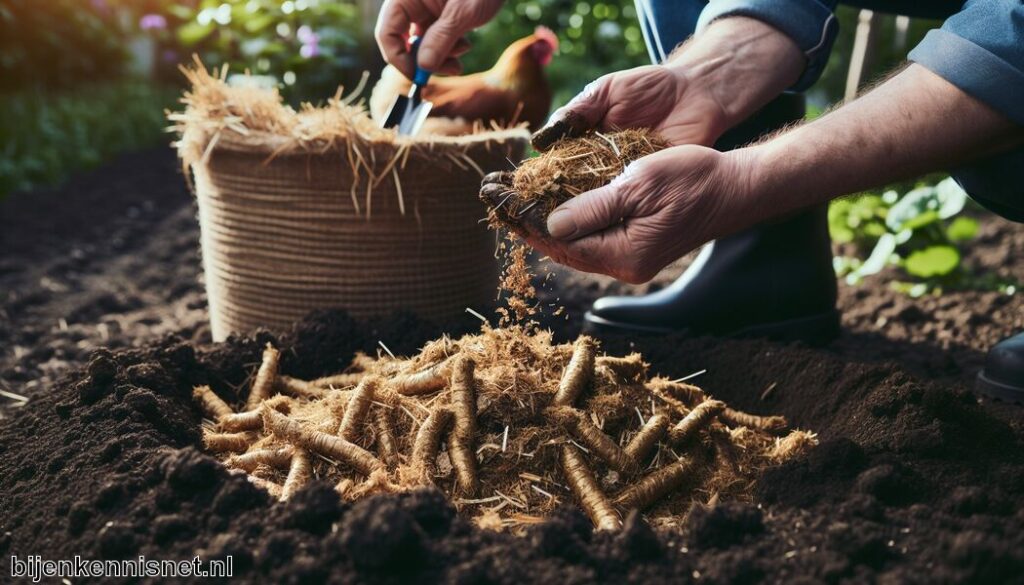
810,23
981,50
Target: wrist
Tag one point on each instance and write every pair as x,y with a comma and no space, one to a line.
741,64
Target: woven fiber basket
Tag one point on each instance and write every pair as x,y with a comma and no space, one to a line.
288,233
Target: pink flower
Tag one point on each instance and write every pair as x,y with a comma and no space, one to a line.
152,22
310,42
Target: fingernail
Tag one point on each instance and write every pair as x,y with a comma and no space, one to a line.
561,224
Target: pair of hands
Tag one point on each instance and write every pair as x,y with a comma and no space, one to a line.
661,207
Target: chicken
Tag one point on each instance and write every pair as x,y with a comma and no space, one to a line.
514,90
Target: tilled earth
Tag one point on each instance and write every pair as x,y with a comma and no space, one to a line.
916,480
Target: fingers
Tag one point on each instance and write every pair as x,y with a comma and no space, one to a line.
581,115
440,40
391,33
588,213
525,218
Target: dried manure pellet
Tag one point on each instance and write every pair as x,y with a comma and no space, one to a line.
386,446
585,487
656,485
242,421
427,444
299,474
213,406
327,445
263,385
280,457
464,463
464,398
769,424
358,406
298,388
221,442
274,489
631,368
677,392
578,373
337,381
645,441
593,438
700,417
425,381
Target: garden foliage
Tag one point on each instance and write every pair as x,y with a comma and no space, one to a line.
919,233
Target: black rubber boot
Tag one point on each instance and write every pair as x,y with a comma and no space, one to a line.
1003,375
775,280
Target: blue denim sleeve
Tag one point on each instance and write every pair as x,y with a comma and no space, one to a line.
810,23
981,50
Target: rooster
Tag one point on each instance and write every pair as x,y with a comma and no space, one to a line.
514,90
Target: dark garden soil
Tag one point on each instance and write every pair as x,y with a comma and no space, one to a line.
915,480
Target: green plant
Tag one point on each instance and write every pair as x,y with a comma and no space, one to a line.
45,137
919,233
308,46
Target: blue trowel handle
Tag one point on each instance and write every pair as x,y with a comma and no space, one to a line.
422,76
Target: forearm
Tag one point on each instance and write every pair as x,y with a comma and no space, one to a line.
742,62
913,124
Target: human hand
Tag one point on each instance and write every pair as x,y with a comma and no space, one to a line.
663,98
440,23
661,207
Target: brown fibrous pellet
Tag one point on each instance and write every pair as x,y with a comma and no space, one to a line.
385,438
587,490
629,369
327,445
578,373
280,457
593,438
299,473
677,393
298,388
427,444
263,384
463,388
213,406
221,442
775,425
358,405
242,421
274,489
464,463
700,417
425,381
645,441
337,381
656,485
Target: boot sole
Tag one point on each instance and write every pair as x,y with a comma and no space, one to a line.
993,389
817,329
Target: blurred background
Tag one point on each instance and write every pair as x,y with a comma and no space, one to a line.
83,80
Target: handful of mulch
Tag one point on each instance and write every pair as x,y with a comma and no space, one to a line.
506,423
521,200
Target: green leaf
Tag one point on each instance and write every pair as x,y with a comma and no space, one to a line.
952,198
915,203
932,261
961,229
918,222
193,33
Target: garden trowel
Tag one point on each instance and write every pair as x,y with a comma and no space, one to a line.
409,111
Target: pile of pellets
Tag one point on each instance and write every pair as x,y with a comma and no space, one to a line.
505,422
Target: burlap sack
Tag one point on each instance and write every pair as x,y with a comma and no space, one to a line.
288,233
